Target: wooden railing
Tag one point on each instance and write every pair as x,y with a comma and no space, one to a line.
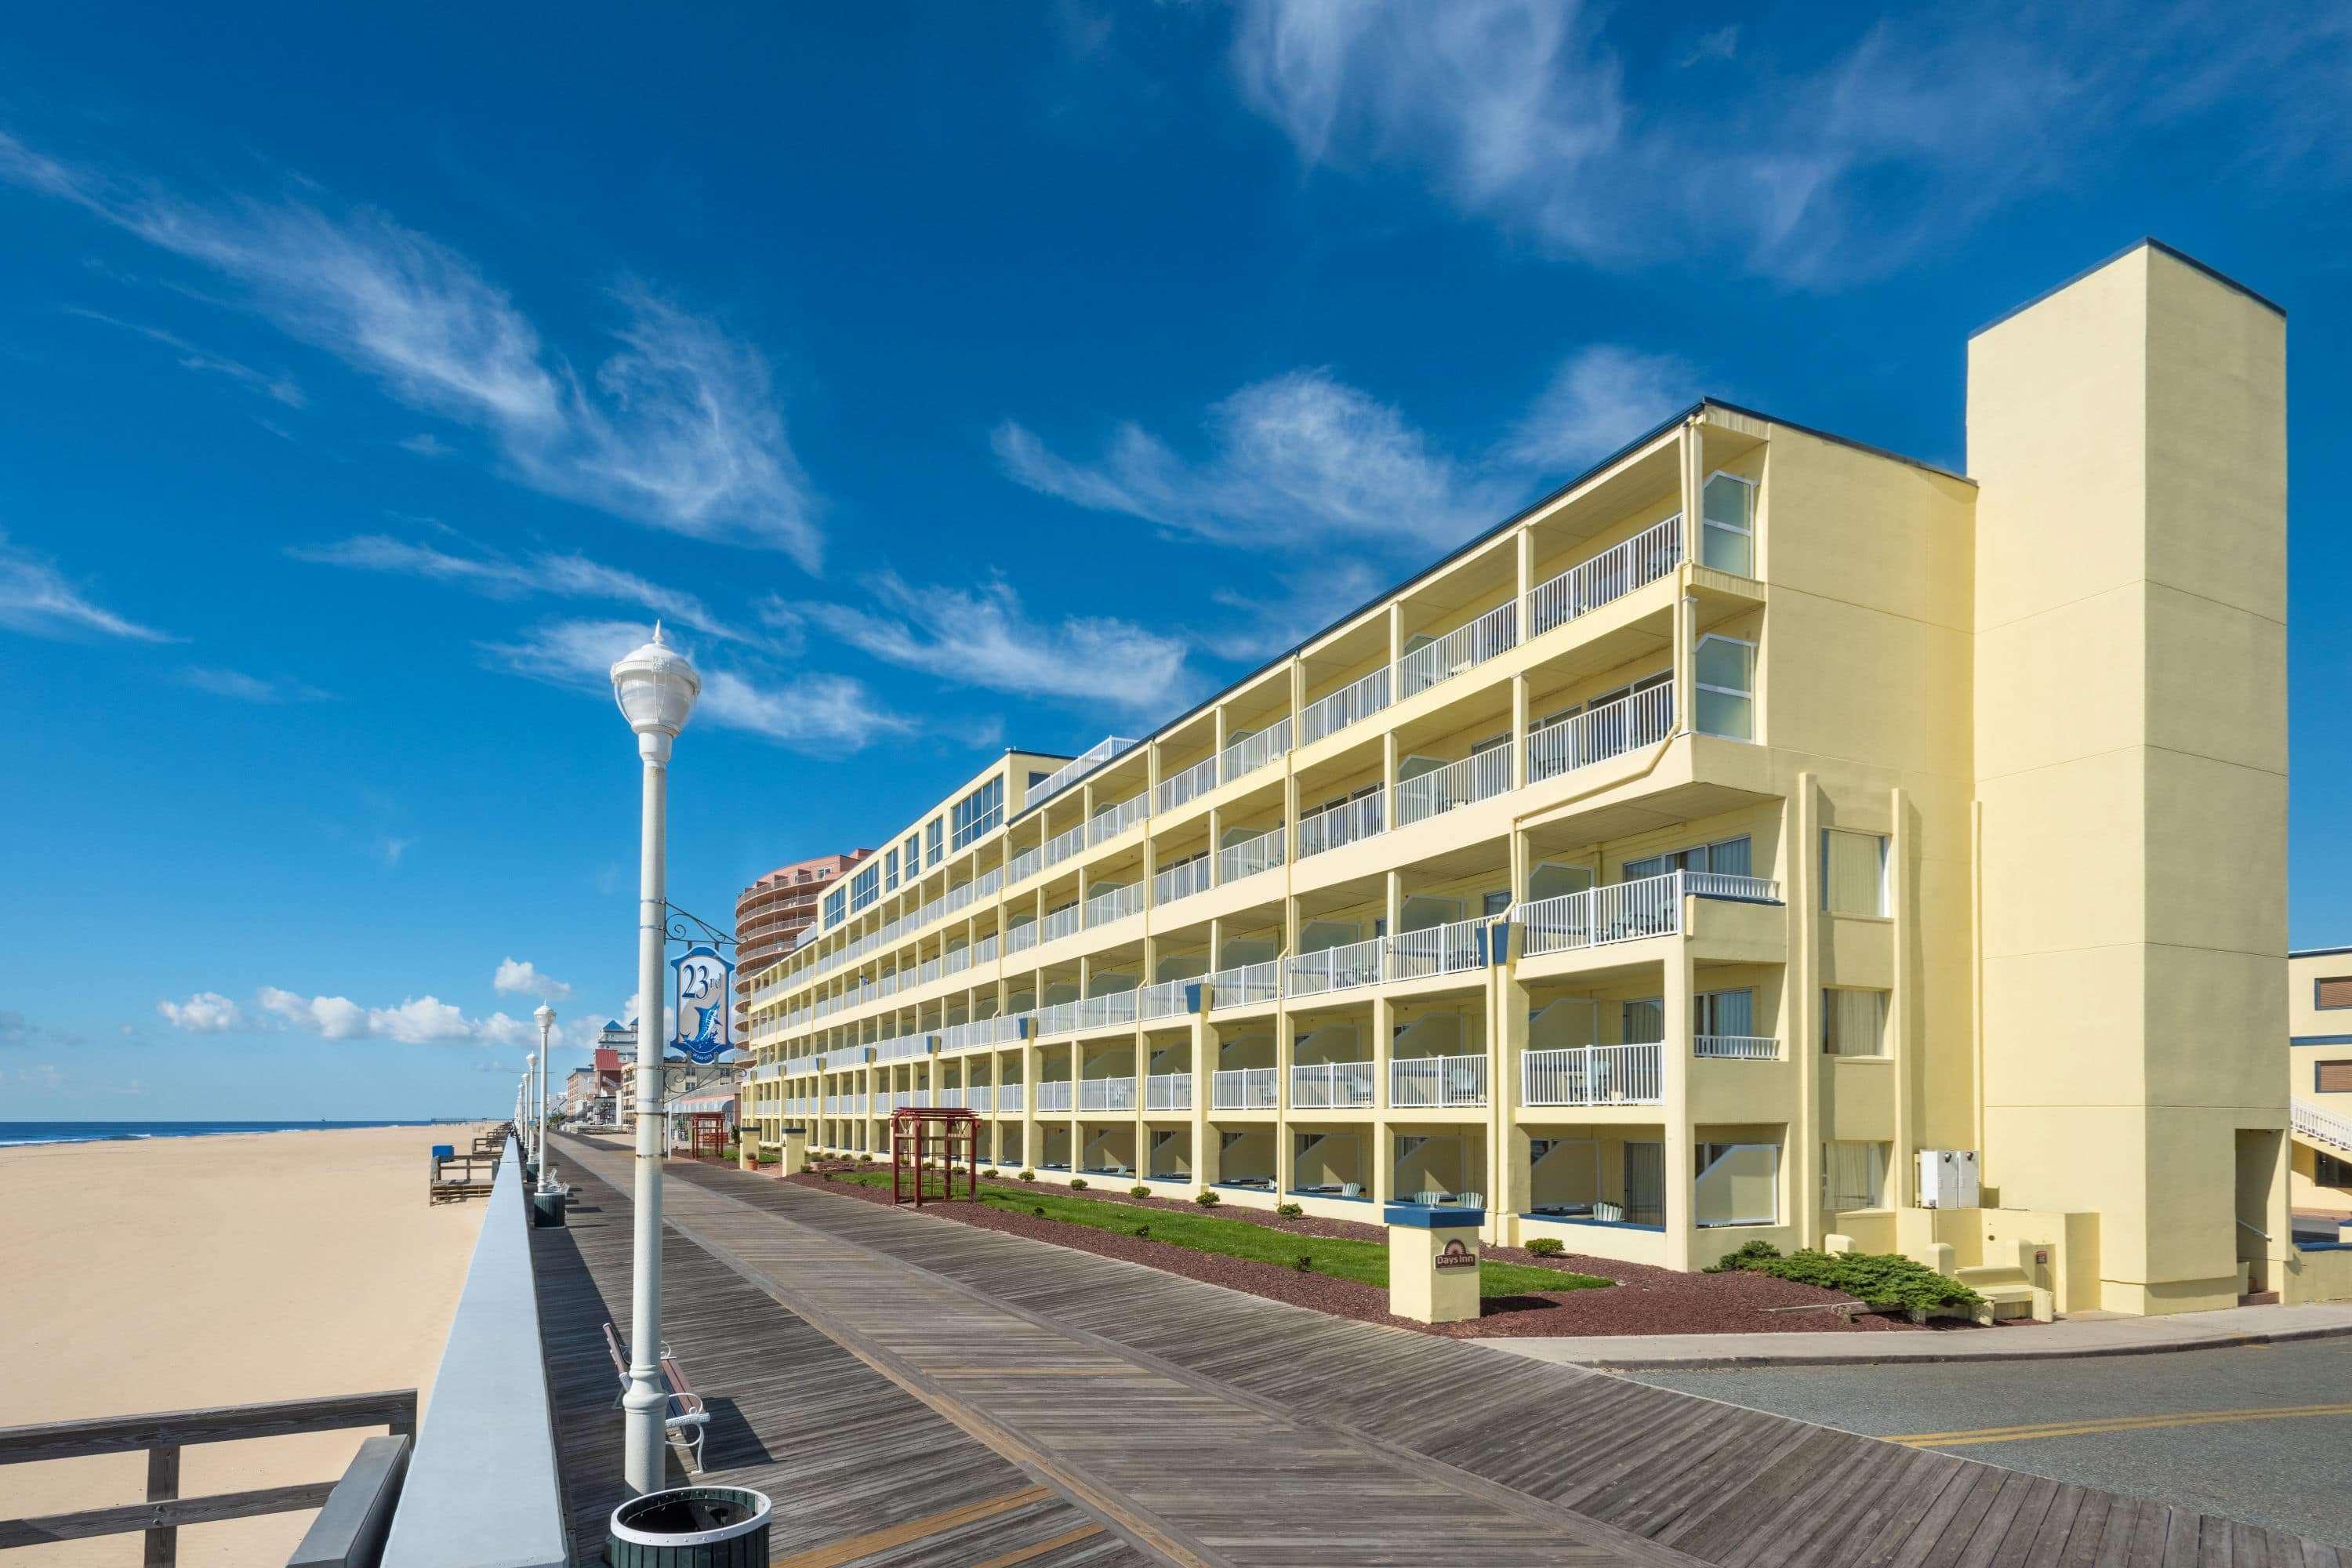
161,1436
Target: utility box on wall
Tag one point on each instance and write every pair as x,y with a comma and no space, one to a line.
1948,1178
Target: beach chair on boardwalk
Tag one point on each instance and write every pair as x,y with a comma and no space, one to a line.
684,1419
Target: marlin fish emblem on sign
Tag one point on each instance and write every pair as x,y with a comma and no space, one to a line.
705,1024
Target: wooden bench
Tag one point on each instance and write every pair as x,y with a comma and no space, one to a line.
686,1417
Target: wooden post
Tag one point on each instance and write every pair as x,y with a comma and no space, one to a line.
162,1486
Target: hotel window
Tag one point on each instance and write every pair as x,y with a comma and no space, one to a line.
980,812
891,871
1737,1184
1854,1023
864,887
1853,872
2332,991
1727,539
1726,858
1725,1013
1853,1177
932,843
2331,1077
1642,1021
836,904
1725,675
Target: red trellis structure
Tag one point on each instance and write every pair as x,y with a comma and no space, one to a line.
925,1141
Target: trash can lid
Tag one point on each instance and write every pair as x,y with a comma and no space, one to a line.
690,1516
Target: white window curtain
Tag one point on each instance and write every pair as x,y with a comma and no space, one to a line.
1853,872
1726,1012
1853,1177
1854,1023
1643,1021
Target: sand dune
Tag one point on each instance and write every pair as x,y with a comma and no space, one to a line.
173,1273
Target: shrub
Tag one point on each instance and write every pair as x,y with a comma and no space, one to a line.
1206,1199
987,1172
1144,1230
1039,1211
1077,1184
1288,1211
1876,1279
1305,1264
1028,1175
1546,1247
1750,1255
1138,1191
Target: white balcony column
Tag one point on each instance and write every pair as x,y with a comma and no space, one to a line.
1800,1000
1394,912
1383,1038
1503,1161
1290,926
1685,620
1396,634
1217,843
1513,1188
1286,1150
1388,780
1906,1173
1519,722
1208,1163
1289,819
1674,1107
1525,553
1217,745
1216,952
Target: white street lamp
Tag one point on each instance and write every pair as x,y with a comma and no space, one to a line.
530,1150
546,1017
655,688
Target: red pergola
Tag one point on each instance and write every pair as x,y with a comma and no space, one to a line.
924,1140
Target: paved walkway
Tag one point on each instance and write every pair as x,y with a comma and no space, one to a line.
2074,1337
1202,1426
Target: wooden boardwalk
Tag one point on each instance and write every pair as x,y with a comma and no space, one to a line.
1211,1427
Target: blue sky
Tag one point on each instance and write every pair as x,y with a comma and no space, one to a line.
370,382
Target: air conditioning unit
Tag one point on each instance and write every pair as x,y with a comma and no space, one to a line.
1947,1178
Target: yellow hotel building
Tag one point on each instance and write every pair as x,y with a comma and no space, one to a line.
1675,863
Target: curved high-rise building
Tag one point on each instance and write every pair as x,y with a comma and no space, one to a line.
771,914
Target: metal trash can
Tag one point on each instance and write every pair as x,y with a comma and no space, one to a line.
547,1208
531,1172
692,1527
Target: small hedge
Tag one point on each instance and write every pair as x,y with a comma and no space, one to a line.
1206,1199
1138,1191
1546,1247
1077,1184
1876,1279
1288,1211
1028,1175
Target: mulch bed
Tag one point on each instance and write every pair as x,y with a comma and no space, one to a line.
1644,1300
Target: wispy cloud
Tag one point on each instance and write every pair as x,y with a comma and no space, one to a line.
276,384
811,712
982,637
390,846
523,979
416,1021
205,1012
36,599
239,686
16,1030
1522,112
676,428
565,576
1598,398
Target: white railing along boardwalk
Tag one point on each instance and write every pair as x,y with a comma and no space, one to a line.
1611,574
1464,647
1418,1081
1737,1048
1245,985
1250,856
1331,1086
1168,1091
1177,788
1356,701
1343,824
1054,1094
1080,766
1107,1094
1642,718
1593,1075
1478,778
1252,752
1181,880
1242,1089
1629,911
1335,968
1112,821
1115,904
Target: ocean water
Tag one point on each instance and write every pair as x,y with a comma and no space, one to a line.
15,1132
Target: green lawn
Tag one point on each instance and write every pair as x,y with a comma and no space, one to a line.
1366,1262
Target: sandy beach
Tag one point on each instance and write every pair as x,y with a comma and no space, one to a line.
175,1273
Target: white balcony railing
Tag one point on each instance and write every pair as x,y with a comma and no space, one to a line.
1480,776
1737,1048
1168,1091
1114,820
1080,766
1026,864
1054,1094
1335,968
1608,730
1250,856
1168,999
1242,1089
1177,788
1009,1097
1345,822
1252,752
1438,950
1331,1086
1611,574
1061,846
1417,1081
1464,647
1182,881
1115,904
1058,924
2322,1126
1356,701
1629,911
1245,985
1593,1075
1021,938
1107,1094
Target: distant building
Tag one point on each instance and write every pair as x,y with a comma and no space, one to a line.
771,913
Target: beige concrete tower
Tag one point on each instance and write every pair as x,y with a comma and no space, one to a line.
2129,435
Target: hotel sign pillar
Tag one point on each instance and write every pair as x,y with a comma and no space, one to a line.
655,688
1432,1262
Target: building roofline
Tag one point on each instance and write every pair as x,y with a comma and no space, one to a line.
2316,952
2146,242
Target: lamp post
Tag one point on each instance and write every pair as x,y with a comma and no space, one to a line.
655,688
530,1150
546,1018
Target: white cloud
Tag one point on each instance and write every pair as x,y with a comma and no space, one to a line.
205,1012
416,1021
390,846
1522,112
274,384
242,687
37,600
567,576
425,444
815,712
677,428
524,979
982,637
1599,398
